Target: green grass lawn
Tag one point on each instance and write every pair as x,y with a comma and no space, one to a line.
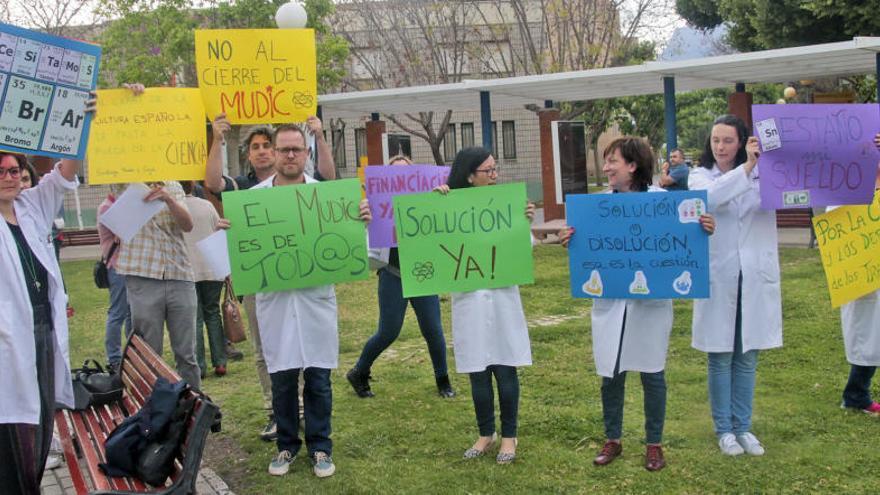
409,440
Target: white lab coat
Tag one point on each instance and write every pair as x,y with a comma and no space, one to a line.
35,210
645,338
489,327
744,242
298,327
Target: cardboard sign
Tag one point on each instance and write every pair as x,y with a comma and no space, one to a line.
290,237
383,183
258,76
849,242
158,135
469,239
638,245
45,82
816,155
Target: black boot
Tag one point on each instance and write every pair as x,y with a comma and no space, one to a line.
444,388
360,382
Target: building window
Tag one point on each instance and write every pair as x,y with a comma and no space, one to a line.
399,144
360,145
508,131
467,134
339,147
450,147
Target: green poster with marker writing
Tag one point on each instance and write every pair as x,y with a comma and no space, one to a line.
291,237
469,239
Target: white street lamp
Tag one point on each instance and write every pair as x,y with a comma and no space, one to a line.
291,15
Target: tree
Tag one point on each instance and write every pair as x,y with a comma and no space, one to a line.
56,17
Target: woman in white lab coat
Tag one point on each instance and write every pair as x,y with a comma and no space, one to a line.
743,315
33,322
632,334
489,332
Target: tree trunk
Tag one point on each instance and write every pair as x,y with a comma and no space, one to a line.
597,160
437,152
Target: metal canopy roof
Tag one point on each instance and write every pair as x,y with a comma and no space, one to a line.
858,56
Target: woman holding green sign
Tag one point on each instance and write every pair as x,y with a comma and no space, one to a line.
489,332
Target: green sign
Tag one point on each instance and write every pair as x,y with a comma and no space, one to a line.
474,238
290,237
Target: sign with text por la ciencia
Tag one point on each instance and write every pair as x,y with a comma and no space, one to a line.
45,82
849,242
291,237
638,245
472,238
382,183
154,136
816,155
257,76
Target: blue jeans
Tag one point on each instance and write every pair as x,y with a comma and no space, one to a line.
117,314
484,399
318,401
654,386
208,315
392,309
732,382
858,388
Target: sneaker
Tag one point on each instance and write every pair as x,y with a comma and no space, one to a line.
323,465
281,463
729,446
750,444
360,382
444,388
270,432
53,461
872,410
233,353
220,370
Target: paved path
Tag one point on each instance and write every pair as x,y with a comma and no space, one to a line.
57,482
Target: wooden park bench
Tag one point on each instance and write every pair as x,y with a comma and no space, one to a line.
87,237
83,432
796,218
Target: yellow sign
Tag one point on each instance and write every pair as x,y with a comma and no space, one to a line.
158,135
258,76
849,241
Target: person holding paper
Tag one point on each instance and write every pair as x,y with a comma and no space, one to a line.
489,331
632,334
744,313
33,324
392,309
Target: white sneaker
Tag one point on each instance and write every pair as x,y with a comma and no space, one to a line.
750,444
323,465
281,463
53,461
728,444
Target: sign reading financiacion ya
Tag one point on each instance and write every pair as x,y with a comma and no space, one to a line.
290,237
816,155
45,82
469,239
383,183
258,76
849,241
638,245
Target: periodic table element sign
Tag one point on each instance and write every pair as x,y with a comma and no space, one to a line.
44,83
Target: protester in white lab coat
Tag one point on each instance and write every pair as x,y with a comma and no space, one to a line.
33,321
489,332
632,334
744,313
860,320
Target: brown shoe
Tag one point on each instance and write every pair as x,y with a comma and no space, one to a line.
654,458
609,452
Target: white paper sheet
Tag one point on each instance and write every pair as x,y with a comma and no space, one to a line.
129,213
214,252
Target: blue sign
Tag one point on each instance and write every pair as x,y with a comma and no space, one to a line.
638,245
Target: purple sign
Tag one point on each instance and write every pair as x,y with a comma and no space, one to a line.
384,182
816,155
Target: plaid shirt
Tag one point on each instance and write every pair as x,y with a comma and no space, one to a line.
158,250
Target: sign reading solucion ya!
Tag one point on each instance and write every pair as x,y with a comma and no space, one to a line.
383,183
45,82
849,241
257,76
469,239
638,245
290,237
154,136
816,155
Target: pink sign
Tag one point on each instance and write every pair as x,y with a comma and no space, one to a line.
384,182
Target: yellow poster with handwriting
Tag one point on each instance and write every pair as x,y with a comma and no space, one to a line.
849,242
257,76
158,135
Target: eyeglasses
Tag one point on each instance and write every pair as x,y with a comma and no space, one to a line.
287,151
487,171
13,172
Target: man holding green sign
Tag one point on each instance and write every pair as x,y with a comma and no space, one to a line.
289,244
